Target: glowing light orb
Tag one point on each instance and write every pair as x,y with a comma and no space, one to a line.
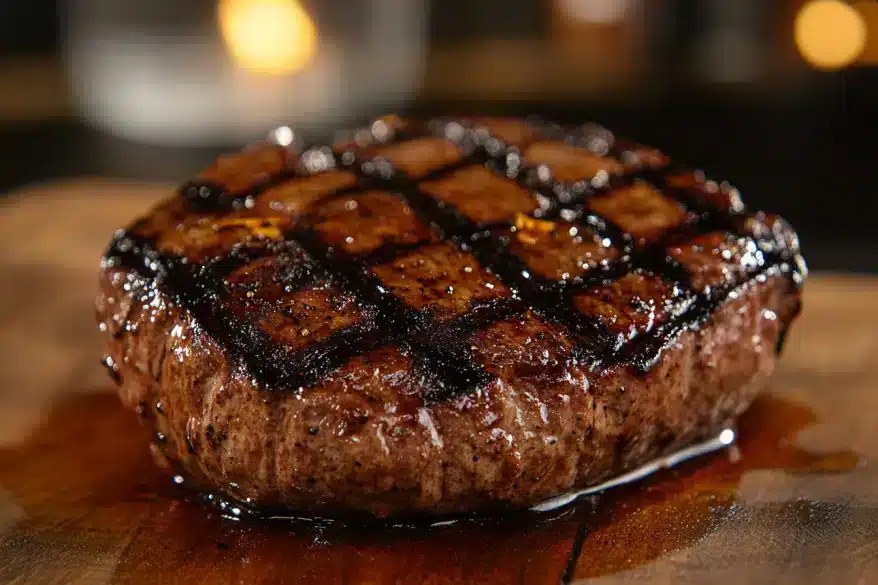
830,34
268,36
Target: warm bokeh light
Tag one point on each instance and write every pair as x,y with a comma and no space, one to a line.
868,10
830,34
268,36
595,11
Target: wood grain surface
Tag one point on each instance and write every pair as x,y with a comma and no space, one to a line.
795,501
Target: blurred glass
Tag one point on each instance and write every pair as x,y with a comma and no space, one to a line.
215,72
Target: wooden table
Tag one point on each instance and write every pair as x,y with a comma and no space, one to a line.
796,501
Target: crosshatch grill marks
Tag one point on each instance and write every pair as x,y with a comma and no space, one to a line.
226,306
447,223
615,212
545,296
300,327
445,365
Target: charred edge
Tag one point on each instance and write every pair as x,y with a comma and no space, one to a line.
388,253
645,353
278,367
275,364
654,259
448,349
595,344
486,313
708,218
220,268
134,252
449,370
194,286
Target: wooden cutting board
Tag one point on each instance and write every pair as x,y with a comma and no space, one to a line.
795,501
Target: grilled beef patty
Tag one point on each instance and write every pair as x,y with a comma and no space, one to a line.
442,316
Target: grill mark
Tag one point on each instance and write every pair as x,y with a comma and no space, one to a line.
442,218
388,253
357,187
451,364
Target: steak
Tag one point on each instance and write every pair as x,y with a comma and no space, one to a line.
441,316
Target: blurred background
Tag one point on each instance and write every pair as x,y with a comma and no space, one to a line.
776,96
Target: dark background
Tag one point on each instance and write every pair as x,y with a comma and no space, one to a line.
794,139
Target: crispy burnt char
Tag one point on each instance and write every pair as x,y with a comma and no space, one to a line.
441,316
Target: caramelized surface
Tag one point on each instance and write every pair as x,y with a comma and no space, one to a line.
481,195
641,211
431,235
363,222
559,250
569,163
441,279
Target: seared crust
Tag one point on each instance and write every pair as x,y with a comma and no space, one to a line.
638,364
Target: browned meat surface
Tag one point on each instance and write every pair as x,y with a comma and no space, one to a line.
443,316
